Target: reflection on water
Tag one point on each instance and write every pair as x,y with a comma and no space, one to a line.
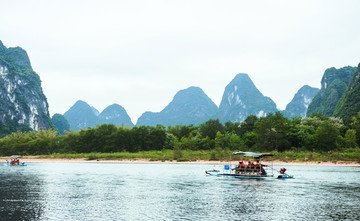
102,191
20,194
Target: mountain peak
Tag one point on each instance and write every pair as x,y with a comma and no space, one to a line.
115,114
80,115
189,106
241,98
242,78
301,101
18,57
188,92
80,102
242,75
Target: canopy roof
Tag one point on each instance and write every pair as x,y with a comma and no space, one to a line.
252,154
15,156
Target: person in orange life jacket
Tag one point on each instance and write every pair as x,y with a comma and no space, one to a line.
250,166
241,165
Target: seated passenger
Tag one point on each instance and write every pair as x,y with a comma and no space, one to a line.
258,166
241,166
250,166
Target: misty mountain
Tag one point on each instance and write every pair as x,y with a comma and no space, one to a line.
301,101
241,98
95,111
80,116
189,106
114,114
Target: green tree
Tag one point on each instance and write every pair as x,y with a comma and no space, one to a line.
181,130
125,139
233,141
156,138
356,126
219,140
272,132
350,139
232,127
207,143
248,125
140,138
249,140
210,128
326,136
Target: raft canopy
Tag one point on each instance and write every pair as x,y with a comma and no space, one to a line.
15,156
252,154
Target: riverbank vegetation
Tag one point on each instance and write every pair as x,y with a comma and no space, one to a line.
316,138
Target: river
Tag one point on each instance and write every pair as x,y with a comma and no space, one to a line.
165,191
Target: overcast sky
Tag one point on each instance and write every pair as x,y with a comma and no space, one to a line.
139,53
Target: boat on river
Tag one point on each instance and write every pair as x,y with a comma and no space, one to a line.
252,169
14,161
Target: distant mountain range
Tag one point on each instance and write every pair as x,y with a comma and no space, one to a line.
81,115
192,106
23,105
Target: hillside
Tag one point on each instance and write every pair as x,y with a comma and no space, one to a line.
23,105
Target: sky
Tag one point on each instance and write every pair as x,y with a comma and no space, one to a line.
140,53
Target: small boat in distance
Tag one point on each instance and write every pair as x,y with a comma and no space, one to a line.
253,168
14,161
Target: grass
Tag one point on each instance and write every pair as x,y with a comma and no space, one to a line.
349,155
164,155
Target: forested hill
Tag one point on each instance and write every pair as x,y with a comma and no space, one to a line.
333,85
23,105
349,104
61,124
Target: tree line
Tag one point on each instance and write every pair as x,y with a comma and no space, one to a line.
273,132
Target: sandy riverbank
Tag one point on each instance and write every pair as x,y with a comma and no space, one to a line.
33,159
